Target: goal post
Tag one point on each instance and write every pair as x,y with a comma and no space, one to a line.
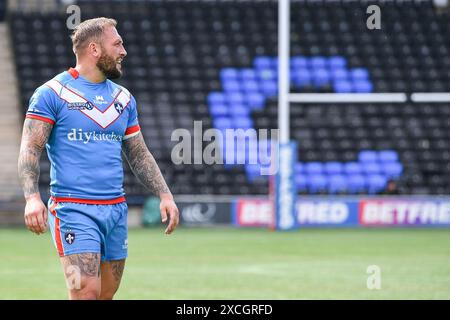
285,193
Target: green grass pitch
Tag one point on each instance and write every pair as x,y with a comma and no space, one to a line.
228,263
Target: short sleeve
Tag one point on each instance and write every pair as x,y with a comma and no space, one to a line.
43,105
133,123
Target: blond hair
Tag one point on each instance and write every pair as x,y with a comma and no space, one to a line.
88,31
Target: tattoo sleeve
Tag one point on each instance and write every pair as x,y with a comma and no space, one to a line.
144,165
34,137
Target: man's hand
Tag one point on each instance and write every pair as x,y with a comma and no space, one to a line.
169,208
36,214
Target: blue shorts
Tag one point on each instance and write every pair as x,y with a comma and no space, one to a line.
81,228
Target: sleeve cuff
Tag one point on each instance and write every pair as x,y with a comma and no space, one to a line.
33,116
131,132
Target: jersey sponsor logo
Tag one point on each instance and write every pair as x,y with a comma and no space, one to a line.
69,236
80,105
86,137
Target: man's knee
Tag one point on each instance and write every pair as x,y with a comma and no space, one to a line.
89,291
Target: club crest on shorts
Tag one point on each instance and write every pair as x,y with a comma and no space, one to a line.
119,107
69,236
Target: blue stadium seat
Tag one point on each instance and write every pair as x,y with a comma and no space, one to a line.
299,168
337,183
337,62
339,74
342,86
299,62
231,86
321,77
376,183
368,156
248,75
218,110
333,167
239,110
316,183
274,64
249,86
266,74
356,183
302,77
318,62
392,169
352,168
243,123
228,74
222,123
255,100
387,156
263,62
301,182
216,97
314,168
359,74
235,98
362,86
372,168
269,88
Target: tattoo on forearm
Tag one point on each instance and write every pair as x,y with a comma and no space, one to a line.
88,263
144,165
34,136
117,269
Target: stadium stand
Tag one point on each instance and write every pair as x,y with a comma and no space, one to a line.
184,56
2,10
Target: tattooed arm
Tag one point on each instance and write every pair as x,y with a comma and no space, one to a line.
147,171
34,136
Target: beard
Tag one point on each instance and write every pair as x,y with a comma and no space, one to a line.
108,66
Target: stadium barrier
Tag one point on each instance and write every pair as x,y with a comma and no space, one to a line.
349,212
317,211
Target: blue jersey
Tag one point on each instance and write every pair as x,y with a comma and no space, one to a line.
90,121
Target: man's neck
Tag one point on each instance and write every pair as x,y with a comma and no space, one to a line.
93,74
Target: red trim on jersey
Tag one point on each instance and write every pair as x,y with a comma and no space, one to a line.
73,72
89,201
32,116
132,129
59,245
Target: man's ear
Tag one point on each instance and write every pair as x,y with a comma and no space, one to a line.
94,49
